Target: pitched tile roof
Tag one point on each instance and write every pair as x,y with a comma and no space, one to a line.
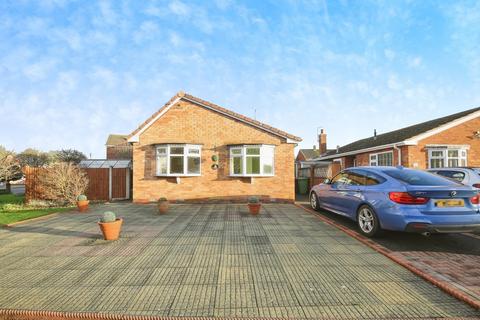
116,139
310,153
400,135
201,102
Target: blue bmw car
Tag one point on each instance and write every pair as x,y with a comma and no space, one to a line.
399,199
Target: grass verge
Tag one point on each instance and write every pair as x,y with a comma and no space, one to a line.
13,210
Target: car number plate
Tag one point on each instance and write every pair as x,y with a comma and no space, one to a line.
450,203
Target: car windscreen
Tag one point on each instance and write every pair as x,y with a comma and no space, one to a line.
418,178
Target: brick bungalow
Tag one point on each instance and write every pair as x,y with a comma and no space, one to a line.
195,150
449,141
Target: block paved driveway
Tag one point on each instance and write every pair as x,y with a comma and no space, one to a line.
209,260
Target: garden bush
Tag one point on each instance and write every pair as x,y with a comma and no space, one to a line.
63,183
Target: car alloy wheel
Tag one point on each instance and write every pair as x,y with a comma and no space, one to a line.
367,221
314,201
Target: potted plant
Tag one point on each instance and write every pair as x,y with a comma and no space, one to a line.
110,225
254,205
162,205
82,203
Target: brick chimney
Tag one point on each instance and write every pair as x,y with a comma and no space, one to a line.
322,141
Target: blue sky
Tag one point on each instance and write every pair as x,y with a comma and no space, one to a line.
73,71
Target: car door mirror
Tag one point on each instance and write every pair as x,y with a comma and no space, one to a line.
327,181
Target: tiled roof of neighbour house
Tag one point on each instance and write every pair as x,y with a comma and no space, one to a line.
310,153
116,139
399,135
217,108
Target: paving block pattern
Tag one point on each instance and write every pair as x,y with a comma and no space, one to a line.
210,260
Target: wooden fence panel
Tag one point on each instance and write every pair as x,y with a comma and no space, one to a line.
32,187
97,187
98,183
119,183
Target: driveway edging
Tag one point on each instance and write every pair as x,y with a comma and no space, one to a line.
12,314
458,294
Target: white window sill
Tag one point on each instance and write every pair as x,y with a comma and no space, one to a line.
173,175
252,175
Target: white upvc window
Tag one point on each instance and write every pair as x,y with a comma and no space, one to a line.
252,161
381,159
447,157
175,160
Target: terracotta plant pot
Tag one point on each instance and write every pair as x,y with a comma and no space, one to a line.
162,207
254,207
111,230
82,205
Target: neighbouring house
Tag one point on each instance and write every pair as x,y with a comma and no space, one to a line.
118,147
305,157
448,141
307,165
194,150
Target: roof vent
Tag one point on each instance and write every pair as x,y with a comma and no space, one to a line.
338,148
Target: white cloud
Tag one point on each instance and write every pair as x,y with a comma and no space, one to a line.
39,71
69,36
147,30
393,82
104,77
179,8
223,4
109,15
415,62
152,10
175,39
389,54
101,38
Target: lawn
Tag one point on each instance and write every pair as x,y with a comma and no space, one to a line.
13,209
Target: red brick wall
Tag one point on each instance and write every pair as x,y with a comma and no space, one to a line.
461,134
188,123
119,152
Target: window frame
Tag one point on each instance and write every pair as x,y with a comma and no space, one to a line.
373,159
243,156
185,155
462,156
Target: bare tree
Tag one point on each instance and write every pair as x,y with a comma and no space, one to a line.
63,182
9,167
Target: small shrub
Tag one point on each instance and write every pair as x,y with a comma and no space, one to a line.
82,197
13,207
108,216
42,204
253,200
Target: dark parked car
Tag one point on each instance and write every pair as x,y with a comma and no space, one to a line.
400,199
